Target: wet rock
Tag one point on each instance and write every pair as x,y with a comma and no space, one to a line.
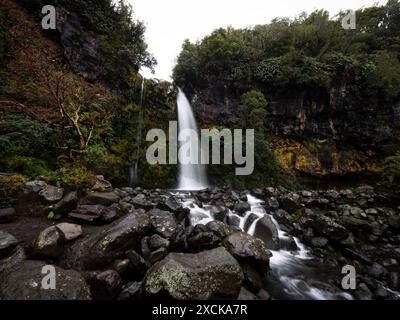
66,204
137,263
319,242
7,215
246,295
363,293
155,242
248,249
394,222
233,220
242,207
87,213
219,212
111,213
358,226
263,295
157,255
330,228
170,204
213,274
251,218
70,231
220,229
7,244
290,203
140,202
377,271
29,202
102,198
283,217
202,238
164,223
132,291
106,285
253,279
24,282
49,243
267,232
51,194
102,248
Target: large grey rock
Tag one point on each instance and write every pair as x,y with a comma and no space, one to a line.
7,215
290,203
49,243
51,194
267,232
24,282
131,291
71,231
100,249
103,198
210,274
248,249
141,202
7,243
242,207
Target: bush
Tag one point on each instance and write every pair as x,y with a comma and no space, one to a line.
391,170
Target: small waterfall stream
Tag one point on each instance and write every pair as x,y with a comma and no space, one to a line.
133,170
295,273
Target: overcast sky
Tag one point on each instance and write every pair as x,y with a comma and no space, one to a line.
170,22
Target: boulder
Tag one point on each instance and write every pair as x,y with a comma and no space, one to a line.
132,291
218,212
111,213
319,242
137,263
242,207
106,285
164,222
202,238
102,248
329,228
87,213
156,241
70,231
24,282
7,215
49,243
140,202
290,203
220,229
212,274
66,204
246,295
248,249
267,231
103,198
7,243
170,204
51,194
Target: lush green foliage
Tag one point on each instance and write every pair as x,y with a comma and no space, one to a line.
391,170
311,51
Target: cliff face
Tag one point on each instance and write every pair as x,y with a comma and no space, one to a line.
314,134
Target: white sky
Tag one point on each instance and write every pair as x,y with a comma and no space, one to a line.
170,22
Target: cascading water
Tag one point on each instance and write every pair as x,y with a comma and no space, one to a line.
133,170
192,176
295,273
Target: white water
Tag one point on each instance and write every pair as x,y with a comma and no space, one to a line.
289,268
191,176
133,170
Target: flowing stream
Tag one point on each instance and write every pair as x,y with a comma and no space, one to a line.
295,273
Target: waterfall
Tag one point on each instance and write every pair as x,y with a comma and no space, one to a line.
191,176
133,170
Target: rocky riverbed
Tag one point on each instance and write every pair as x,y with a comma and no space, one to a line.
218,243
